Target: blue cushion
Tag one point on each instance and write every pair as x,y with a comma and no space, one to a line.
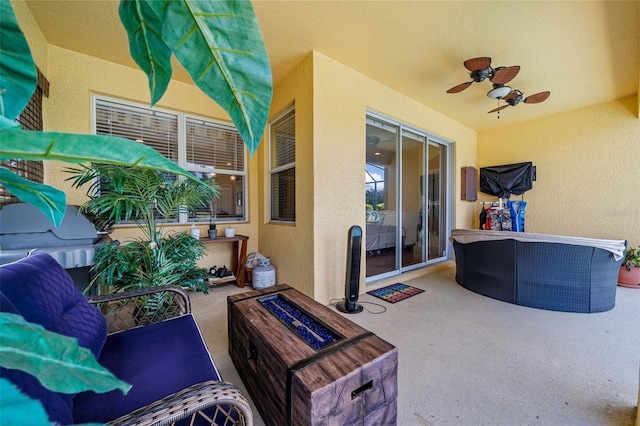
42,292
158,360
45,294
57,406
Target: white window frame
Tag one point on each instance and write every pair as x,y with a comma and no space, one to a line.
182,153
281,168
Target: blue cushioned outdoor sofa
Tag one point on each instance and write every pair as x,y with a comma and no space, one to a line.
161,353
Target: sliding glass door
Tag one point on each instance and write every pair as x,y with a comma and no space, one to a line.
381,185
436,207
406,178
413,196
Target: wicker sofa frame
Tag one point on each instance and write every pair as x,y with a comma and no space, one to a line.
232,408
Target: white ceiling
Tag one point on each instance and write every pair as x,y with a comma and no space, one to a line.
584,52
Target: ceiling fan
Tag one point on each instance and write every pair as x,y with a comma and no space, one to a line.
514,97
480,70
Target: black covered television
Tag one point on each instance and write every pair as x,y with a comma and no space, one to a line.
502,181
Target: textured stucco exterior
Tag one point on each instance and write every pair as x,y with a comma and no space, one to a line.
587,163
331,101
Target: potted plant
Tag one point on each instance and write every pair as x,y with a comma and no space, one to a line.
629,275
144,196
213,232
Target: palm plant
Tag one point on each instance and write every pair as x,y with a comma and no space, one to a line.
144,197
121,193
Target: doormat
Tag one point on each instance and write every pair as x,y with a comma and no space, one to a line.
395,292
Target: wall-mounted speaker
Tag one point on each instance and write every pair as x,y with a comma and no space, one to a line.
469,184
352,282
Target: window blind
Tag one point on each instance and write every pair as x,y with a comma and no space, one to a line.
283,172
157,129
212,145
283,141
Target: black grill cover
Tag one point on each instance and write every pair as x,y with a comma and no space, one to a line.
503,181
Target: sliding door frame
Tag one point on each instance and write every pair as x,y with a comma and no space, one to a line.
447,188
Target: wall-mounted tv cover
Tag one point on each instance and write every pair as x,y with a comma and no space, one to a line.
502,181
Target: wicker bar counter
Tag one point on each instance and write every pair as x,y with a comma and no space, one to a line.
553,272
317,369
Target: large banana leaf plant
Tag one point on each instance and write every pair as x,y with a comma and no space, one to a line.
220,44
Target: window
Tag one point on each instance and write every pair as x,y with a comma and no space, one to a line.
30,119
282,167
206,148
215,150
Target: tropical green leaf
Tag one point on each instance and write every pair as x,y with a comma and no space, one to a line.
79,148
19,409
51,201
6,123
55,360
146,45
18,76
220,44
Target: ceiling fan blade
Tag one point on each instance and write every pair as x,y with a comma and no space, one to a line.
459,87
504,75
477,64
537,98
511,95
498,109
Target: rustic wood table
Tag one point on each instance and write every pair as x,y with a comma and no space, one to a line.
239,254
306,364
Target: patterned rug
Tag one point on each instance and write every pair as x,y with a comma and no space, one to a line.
395,292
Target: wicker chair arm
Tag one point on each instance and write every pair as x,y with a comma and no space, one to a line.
231,407
142,292
142,306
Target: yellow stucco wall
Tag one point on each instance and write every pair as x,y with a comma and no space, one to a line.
37,43
75,77
331,101
311,253
587,164
341,97
291,246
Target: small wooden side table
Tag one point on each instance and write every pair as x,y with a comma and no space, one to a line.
239,254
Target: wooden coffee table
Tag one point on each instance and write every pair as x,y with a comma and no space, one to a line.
306,364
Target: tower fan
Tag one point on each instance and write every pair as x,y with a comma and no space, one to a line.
352,283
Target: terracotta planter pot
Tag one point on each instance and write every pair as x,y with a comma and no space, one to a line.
629,278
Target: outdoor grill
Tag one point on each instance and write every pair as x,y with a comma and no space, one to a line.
24,228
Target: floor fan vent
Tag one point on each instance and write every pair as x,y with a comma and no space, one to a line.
352,283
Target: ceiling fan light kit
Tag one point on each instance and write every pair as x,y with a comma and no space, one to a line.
480,69
499,92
